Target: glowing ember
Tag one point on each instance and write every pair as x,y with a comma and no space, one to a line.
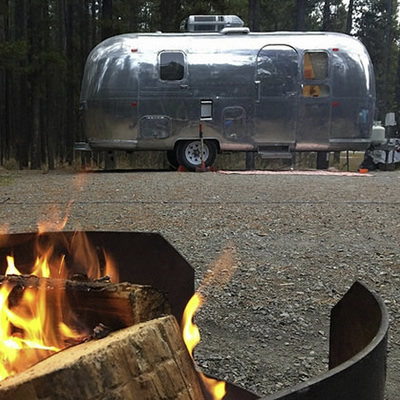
191,336
34,321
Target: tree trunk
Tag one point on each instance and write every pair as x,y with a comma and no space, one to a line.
35,34
35,135
2,120
106,14
70,89
397,94
326,16
254,15
349,21
21,92
94,10
169,10
134,16
301,15
387,54
6,91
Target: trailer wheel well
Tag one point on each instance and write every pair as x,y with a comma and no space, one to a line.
215,141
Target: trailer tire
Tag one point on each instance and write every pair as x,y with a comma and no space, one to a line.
188,154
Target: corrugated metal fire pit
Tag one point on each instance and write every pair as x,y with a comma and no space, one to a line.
359,322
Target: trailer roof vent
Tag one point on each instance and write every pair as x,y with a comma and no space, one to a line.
210,23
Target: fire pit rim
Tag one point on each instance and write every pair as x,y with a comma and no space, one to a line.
379,339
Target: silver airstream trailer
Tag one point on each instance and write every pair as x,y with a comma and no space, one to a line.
196,94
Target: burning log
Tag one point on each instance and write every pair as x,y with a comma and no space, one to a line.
40,316
147,361
114,305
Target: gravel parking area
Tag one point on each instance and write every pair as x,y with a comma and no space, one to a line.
292,245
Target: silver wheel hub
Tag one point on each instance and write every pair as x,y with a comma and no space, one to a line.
193,153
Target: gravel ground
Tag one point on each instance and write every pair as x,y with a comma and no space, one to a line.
296,242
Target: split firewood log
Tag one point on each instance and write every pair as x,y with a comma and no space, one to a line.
116,305
148,361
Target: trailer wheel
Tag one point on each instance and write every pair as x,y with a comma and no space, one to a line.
188,154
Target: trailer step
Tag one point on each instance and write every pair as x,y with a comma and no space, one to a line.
82,146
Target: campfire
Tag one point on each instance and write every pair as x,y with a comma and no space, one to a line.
35,319
72,298
116,339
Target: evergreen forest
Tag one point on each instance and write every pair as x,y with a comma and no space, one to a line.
44,45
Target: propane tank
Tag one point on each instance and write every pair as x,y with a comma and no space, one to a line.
378,134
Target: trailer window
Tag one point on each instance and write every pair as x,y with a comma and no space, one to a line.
172,66
315,66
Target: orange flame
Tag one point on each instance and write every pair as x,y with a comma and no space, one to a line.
191,337
190,331
34,322
219,273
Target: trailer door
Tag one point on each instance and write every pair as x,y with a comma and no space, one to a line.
315,103
277,94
